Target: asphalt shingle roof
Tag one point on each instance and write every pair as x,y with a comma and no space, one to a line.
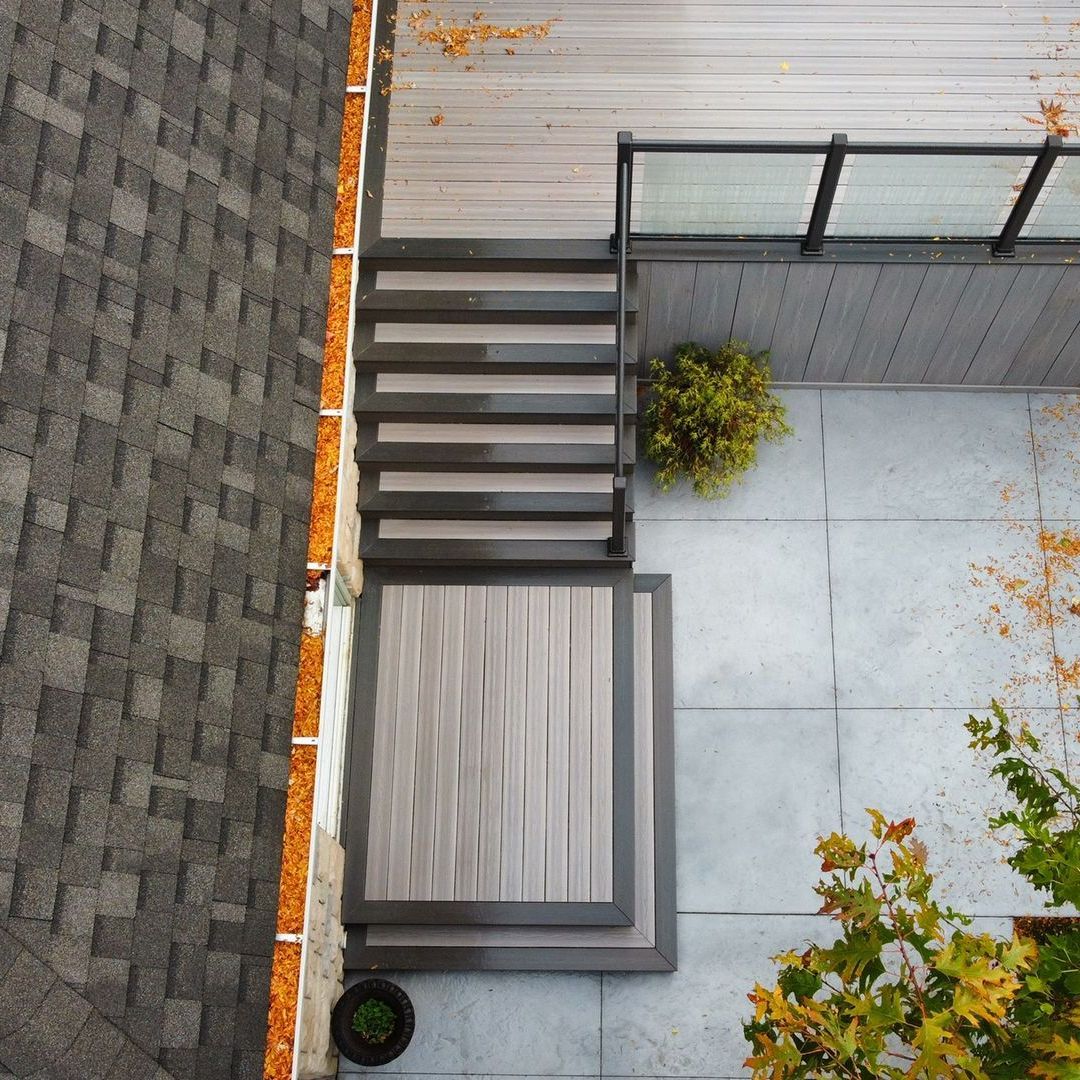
167,183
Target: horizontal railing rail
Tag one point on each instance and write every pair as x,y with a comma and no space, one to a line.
836,153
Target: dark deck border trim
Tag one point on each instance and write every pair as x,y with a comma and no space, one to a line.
663,956
378,126
876,252
618,912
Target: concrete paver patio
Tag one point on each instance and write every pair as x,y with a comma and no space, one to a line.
833,629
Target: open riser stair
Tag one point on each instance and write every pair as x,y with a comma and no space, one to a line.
486,411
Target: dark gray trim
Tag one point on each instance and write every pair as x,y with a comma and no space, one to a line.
493,408
488,359
358,748
525,554
421,253
494,306
374,179
483,505
360,956
355,909
850,251
663,683
663,956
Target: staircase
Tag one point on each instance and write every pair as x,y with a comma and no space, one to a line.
485,403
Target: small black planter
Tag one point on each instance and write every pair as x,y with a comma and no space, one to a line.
351,1043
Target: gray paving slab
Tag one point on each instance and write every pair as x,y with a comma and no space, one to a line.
689,1024
751,611
498,1022
913,620
1055,420
754,790
934,777
929,454
787,483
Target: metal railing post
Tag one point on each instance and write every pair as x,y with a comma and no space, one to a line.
624,157
617,540
1005,245
813,242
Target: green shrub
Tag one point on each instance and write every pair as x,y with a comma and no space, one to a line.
907,990
707,413
374,1021
1046,820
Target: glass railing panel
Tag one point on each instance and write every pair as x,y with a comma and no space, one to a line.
940,196
1056,213
730,194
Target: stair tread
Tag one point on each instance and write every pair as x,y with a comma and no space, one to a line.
477,408
428,305
470,552
447,252
454,358
457,457
496,505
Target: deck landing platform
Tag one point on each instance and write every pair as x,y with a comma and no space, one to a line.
509,802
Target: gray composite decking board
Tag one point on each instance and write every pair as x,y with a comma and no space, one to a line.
805,292
526,146
647,945
984,293
643,932
1050,333
761,291
580,834
1023,304
894,293
489,703
845,308
712,307
926,322
671,289
557,790
891,324
1066,368
467,836
445,808
601,852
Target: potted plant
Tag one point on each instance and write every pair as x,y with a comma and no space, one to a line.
707,413
373,1022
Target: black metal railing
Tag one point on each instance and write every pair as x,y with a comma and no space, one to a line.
1018,199
1022,195
617,540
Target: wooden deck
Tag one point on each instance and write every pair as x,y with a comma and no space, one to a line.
493,761
517,139
492,764
649,943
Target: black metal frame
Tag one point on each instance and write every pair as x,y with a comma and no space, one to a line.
813,243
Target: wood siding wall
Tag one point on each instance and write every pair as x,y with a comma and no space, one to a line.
931,324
